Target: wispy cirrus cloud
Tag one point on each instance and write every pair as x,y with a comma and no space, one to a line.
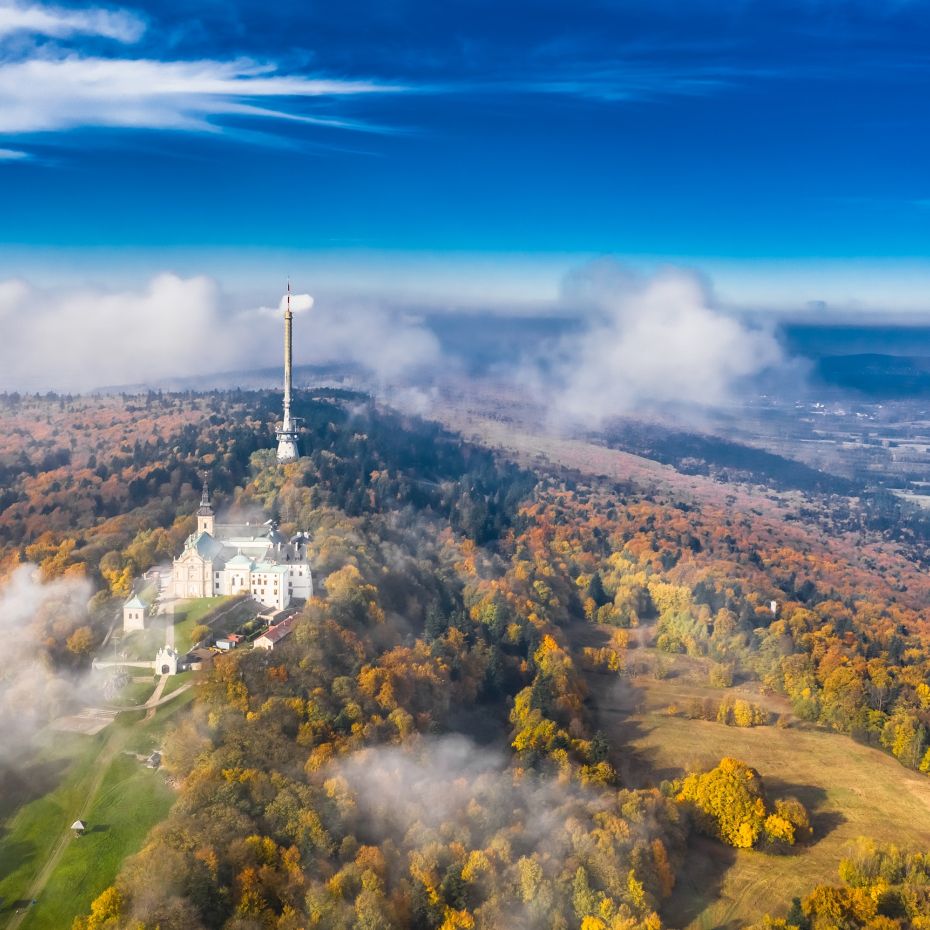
50,88
57,22
47,95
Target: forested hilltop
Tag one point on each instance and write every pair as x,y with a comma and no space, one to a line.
430,749
105,487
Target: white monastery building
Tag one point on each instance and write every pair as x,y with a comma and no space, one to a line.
221,559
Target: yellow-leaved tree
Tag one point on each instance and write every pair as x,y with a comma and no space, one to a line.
729,803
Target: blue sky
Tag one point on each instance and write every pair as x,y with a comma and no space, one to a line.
479,148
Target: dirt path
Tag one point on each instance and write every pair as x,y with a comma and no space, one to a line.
113,745
155,698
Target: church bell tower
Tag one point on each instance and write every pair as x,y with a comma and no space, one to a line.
205,515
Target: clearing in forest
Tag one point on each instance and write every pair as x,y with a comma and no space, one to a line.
850,789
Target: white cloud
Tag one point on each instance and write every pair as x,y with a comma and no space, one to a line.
79,339
53,94
12,155
84,338
32,692
384,342
651,341
300,304
432,782
56,22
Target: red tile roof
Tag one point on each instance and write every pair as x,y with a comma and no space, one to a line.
277,632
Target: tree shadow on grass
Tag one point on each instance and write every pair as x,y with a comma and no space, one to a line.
20,784
614,712
813,797
13,853
700,879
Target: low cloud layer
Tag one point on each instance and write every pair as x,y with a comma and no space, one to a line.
441,783
173,327
32,691
648,341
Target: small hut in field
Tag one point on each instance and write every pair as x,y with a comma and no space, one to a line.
79,827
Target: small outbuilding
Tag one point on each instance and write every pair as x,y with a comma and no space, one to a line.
166,661
232,641
134,614
79,827
274,634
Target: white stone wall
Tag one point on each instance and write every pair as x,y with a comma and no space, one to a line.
299,580
228,581
133,619
269,588
273,589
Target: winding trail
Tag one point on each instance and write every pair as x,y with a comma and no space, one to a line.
116,740
154,699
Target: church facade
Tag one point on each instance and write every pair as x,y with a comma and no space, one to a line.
255,559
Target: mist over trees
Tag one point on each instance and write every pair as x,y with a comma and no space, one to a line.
423,751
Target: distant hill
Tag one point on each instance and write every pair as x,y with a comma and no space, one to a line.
705,454
876,375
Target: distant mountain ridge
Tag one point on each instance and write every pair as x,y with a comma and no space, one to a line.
875,374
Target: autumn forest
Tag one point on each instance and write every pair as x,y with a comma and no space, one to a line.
523,695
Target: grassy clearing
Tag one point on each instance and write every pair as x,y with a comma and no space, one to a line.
189,614
143,740
177,681
850,789
135,693
59,772
99,779
140,645
132,799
